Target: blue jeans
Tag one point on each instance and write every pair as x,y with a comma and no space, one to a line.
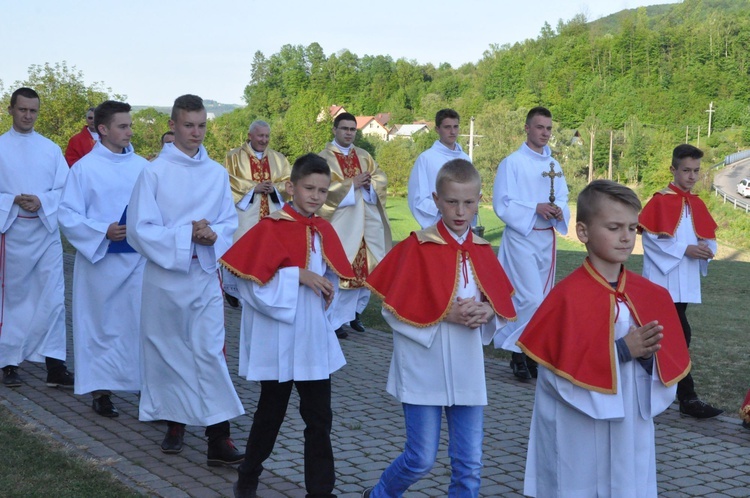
465,431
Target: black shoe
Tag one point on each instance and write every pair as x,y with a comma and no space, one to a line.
172,443
520,370
60,377
366,493
223,452
243,492
104,407
357,324
231,300
698,409
10,376
341,333
532,367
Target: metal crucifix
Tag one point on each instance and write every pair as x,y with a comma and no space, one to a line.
552,175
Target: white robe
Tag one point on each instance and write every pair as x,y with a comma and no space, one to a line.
443,364
665,262
584,444
106,285
422,181
32,299
183,369
286,333
527,249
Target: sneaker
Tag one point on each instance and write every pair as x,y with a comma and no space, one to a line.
341,333
61,378
172,443
223,452
366,493
243,492
357,324
10,376
698,409
104,407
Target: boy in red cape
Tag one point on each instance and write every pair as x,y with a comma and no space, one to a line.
610,353
288,267
444,295
679,239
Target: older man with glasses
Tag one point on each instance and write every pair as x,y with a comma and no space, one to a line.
81,143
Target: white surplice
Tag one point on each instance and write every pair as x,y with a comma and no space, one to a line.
665,262
286,333
422,181
184,372
442,364
32,300
106,285
527,249
586,444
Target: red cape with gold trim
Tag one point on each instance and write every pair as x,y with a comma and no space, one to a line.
572,332
418,278
663,213
283,239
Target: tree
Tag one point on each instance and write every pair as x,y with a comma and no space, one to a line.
302,132
64,98
148,127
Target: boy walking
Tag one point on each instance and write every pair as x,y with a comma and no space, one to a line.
438,362
679,239
288,266
181,218
108,273
610,352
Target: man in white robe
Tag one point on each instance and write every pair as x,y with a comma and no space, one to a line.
108,274
181,218
356,208
32,301
527,250
425,170
257,175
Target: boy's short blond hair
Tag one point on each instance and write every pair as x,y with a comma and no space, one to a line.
459,171
590,198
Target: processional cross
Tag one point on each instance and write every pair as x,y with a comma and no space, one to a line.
552,175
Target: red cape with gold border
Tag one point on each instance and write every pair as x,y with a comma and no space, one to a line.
573,331
284,239
663,213
419,277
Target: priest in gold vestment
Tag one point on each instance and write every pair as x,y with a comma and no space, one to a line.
256,175
356,209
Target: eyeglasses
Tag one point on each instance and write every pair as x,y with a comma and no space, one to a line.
89,118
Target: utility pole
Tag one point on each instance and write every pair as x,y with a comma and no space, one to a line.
591,156
710,112
611,137
699,137
687,128
471,139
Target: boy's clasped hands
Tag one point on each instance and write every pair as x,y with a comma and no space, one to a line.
470,312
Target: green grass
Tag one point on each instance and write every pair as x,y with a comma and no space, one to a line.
33,464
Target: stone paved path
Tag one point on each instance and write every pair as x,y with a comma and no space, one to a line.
695,458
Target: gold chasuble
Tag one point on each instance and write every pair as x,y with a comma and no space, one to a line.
363,228
246,171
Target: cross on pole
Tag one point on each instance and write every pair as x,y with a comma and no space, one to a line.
552,175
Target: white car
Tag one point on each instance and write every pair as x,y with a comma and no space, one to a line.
743,188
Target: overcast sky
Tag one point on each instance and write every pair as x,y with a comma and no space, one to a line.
152,51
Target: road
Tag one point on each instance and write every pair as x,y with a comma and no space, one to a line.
728,178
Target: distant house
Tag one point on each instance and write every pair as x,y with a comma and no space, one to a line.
371,127
333,111
407,130
383,118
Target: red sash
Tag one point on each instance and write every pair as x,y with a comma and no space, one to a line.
281,240
572,332
663,213
419,277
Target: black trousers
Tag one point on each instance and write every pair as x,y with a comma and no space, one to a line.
315,409
686,387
